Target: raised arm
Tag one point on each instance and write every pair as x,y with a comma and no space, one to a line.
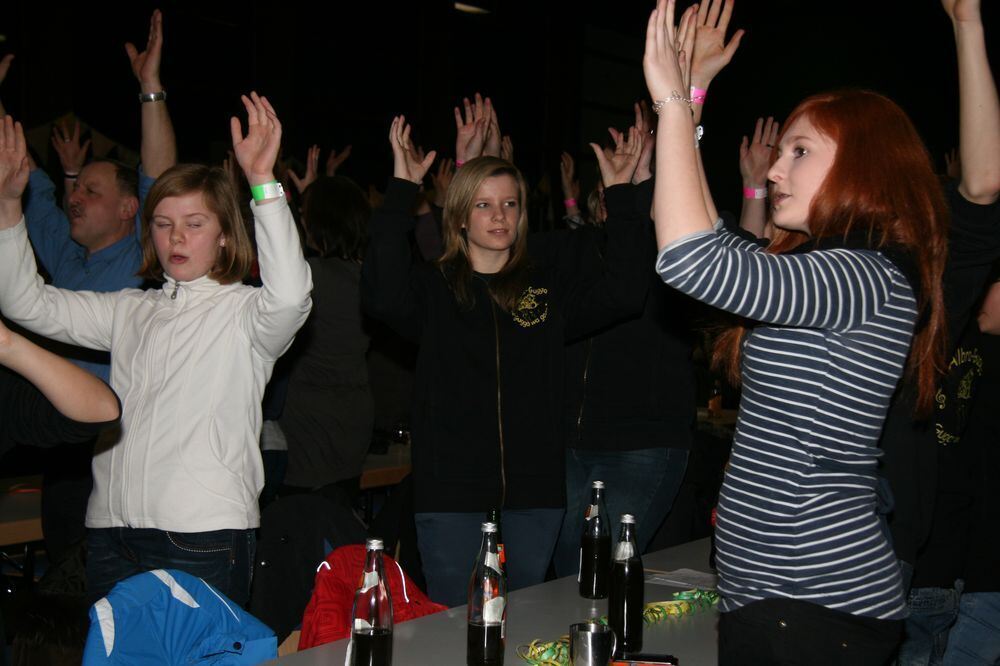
470,130
979,108
74,392
678,205
159,146
389,291
755,160
282,304
80,318
4,68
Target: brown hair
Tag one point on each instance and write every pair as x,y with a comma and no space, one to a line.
881,183
507,285
235,257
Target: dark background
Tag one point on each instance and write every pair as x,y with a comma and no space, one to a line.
558,72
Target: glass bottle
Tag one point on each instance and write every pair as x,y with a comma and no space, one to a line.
595,547
493,516
487,609
626,593
371,617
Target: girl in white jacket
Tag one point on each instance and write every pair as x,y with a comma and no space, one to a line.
178,486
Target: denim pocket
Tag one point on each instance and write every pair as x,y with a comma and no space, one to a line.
220,541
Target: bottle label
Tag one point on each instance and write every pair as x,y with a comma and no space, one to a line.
493,611
592,512
500,552
493,562
369,581
361,625
623,551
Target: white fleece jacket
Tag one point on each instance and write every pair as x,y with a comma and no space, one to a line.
190,368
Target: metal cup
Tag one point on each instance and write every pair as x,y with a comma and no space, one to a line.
591,644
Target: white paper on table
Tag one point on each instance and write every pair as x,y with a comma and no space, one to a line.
686,578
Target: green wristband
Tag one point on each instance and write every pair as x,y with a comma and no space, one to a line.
271,190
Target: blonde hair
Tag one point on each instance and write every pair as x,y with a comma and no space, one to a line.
507,285
235,257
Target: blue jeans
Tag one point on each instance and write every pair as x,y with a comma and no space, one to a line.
449,543
932,612
642,482
975,636
222,558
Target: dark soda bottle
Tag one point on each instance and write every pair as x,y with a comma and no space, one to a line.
595,547
487,609
493,516
626,594
371,616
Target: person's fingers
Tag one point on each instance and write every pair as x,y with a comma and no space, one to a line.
744,147
602,160
85,147
733,44
428,160
703,12
715,7
757,129
469,116
727,13
458,119
235,130
775,130
251,110
131,51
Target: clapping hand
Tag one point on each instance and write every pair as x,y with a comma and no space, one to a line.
407,164
257,152
567,173
646,126
617,167
660,62
491,146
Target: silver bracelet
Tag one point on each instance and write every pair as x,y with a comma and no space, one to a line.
153,97
674,97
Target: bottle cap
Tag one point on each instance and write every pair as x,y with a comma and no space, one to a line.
489,528
597,484
628,518
374,544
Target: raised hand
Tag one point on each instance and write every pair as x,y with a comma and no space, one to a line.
567,173
953,164
312,170
13,164
406,164
711,50
962,10
755,153
442,180
660,63
507,149
471,131
646,126
5,66
257,152
72,155
491,146
617,168
335,159
146,65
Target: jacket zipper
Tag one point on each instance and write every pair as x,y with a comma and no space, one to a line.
173,296
583,398
503,473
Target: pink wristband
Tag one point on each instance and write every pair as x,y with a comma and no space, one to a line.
698,95
754,192
458,163
569,203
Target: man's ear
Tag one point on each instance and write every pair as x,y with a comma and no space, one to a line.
129,208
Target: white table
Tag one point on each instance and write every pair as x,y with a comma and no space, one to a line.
545,612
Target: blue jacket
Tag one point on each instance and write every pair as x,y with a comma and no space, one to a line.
110,269
169,617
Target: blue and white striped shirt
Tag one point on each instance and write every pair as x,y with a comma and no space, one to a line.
796,514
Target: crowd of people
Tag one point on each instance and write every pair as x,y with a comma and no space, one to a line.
854,299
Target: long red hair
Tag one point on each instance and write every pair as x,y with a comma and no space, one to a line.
881,183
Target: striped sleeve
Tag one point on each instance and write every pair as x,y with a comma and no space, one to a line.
836,289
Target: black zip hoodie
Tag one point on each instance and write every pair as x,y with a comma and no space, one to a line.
486,422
